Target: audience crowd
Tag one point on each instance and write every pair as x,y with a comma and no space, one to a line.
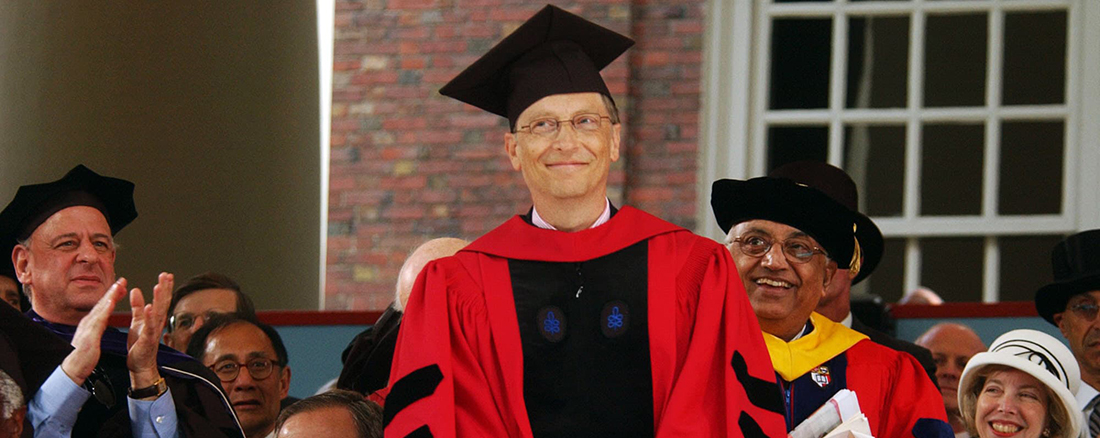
577,318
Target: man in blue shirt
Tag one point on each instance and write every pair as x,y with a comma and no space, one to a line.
60,236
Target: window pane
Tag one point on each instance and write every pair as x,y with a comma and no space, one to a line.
801,51
952,266
878,59
1031,168
874,156
787,144
888,280
951,170
1035,58
1025,265
955,60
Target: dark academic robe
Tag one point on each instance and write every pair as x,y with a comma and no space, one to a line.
201,405
368,357
893,390
634,328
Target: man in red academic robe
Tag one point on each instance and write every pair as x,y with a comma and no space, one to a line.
576,319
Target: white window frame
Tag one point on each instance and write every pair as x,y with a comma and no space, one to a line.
735,117
326,34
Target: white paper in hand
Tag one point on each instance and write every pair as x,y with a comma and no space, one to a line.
842,406
855,427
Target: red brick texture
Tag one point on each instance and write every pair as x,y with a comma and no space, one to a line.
408,164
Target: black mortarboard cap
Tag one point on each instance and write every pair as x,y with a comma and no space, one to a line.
553,52
35,203
787,202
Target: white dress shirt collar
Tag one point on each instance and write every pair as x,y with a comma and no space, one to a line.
538,221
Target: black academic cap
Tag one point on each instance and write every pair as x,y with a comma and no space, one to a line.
838,185
35,203
554,52
6,269
787,202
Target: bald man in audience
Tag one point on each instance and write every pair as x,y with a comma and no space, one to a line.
368,357
952,345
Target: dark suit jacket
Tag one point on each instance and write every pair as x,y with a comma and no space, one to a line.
920,353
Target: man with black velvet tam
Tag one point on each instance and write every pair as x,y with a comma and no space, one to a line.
60,236
787,240
576,319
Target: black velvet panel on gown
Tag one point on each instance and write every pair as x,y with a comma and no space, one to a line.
585,338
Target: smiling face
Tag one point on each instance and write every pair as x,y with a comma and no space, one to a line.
1011,403
782,293
1083,335
68,265
570,164
256,401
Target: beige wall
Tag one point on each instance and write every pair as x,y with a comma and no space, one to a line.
210,107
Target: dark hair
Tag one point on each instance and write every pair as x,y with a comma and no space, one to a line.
196,348
212,280
366,414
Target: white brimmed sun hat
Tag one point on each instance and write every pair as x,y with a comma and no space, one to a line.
1038,354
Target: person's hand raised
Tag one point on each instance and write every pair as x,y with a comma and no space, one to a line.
146,325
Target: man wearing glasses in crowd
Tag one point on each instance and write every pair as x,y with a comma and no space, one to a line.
251,361
787,240
577,319
1070,302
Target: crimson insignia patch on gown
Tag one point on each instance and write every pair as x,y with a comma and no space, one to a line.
821,376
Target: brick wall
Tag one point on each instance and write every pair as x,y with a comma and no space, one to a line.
408,164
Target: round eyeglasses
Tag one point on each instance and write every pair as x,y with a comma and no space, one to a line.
549,127
797,249
259,369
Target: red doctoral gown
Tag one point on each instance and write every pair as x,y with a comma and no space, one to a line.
458,369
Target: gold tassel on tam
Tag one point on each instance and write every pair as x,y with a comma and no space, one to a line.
857,256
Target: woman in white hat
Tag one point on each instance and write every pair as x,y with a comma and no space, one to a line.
1022,387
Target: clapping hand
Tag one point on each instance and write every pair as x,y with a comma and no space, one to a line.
146,324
